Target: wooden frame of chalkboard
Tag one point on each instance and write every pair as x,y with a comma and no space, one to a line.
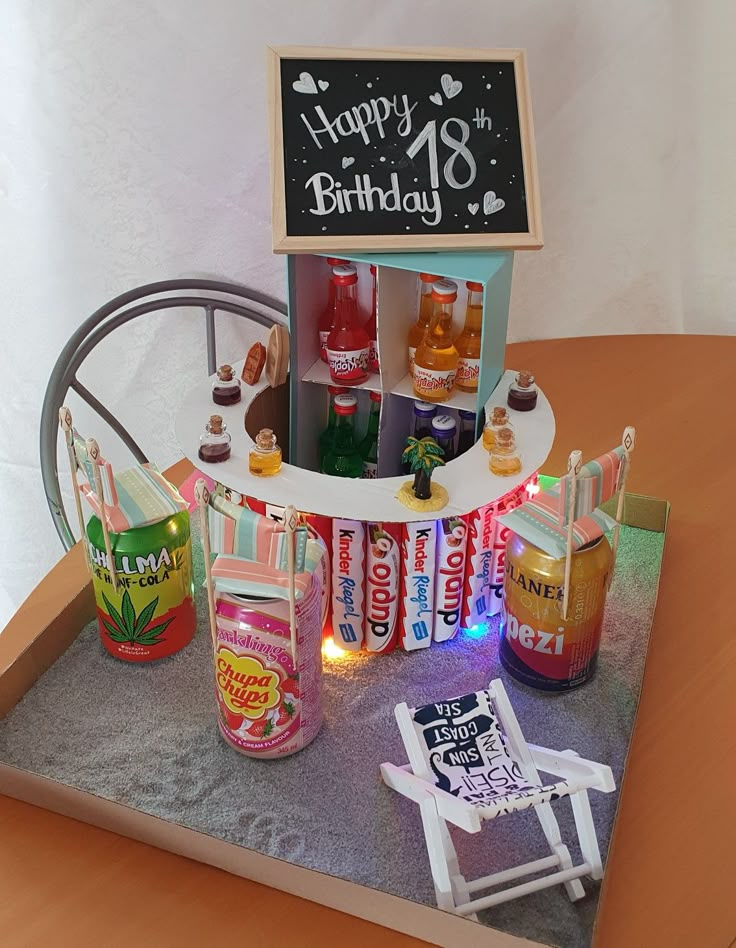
412,187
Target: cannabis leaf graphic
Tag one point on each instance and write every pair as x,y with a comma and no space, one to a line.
131,628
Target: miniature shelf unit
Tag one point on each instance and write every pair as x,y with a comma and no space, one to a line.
396,311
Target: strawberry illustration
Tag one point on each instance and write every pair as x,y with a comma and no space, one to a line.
231,718
286,713
260,728
291,686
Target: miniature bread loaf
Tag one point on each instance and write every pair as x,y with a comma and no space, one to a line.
254,362
277,355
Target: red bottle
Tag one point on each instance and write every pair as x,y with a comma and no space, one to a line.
348,345
327,319
371,329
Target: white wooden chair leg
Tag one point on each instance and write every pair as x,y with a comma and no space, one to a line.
457,879
436,850
551,828
586,833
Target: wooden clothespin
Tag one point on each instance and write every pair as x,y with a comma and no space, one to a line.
93,450
66,425
573,468
291,521
202,496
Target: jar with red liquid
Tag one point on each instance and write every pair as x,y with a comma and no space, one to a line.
327,319
226,388
522,392
348,345
214,444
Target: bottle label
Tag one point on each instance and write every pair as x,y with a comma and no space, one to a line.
370,469
412,355
350,365
433,381
468,372
373,356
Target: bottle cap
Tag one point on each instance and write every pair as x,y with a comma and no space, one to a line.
336,261
444,291
344,275
225,373
443,426
373,269
429,277
466,414
425,408
337,390
474,286
266,439
215,425
505,437
524,379
346,404
375,396
500,416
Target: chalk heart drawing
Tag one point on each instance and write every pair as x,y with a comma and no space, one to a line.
473,208
436,98
346,162
450,86
304,84
491,203
323,84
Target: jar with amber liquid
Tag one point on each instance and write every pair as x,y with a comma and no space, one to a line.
264,459
499,419
505,459
436,358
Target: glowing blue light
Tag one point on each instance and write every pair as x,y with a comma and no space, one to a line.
477,631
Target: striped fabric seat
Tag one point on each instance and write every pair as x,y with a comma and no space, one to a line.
540,521
137,497
240,577
597,481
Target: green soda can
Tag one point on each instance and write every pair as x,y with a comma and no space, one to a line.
152,614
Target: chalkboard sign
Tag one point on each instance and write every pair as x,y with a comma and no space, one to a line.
393,149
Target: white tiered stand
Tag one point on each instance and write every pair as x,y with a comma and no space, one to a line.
467,479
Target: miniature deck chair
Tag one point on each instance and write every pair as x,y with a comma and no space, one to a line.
137,497
468,763
566,517
256,556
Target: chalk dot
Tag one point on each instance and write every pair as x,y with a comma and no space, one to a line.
369,84
485,222
304,147
304,161
382,158
493,161
303,212
488,85
377,78
467,227
482,77
498,134
407,227
500,72
324,228
338,184
456,215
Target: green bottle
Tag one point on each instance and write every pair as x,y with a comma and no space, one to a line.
368,447
328,435
342,458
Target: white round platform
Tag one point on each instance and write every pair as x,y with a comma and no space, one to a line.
467,479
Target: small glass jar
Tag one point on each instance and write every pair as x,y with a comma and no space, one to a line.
214,444
504,459
522,392
225,388
264,459
499,419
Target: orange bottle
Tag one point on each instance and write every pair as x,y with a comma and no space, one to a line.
416,333
436,358
468,342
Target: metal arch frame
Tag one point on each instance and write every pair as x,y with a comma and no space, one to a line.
99,325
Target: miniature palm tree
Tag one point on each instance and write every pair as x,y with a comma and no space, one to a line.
424,455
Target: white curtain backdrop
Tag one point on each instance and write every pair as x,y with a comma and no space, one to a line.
133,148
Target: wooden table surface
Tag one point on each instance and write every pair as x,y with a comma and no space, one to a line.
670,876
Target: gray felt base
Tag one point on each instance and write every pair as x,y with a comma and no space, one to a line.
145,735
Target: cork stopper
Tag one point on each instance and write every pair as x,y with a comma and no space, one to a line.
265,440
505,438
499,417
215,424
525,379
225,373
